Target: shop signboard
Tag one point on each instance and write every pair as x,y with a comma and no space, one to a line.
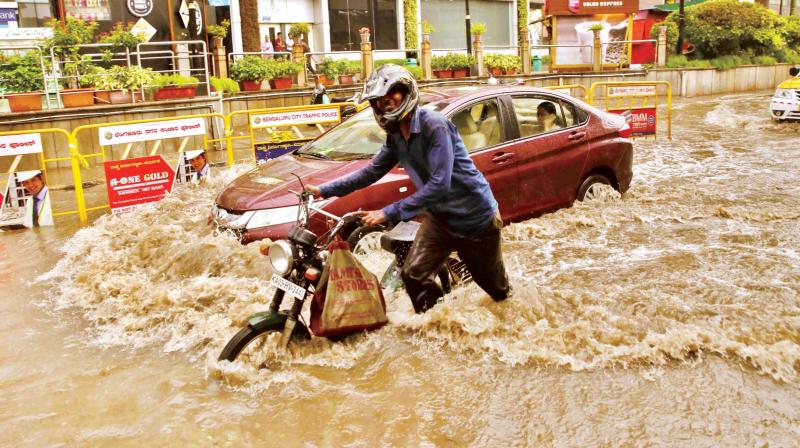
591,7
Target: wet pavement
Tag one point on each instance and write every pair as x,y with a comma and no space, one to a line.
667,317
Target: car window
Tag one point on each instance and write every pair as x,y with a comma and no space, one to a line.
478,125
537,115
573,114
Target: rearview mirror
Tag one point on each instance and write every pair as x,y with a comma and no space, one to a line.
794,71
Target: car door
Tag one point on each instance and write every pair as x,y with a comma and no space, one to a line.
551,153
482,127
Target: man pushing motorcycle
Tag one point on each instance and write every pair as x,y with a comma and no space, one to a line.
460,212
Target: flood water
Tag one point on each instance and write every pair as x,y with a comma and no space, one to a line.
667,317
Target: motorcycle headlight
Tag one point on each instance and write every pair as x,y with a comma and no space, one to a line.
281,256
784,93
275,216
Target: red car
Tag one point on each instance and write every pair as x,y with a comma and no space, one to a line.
535,163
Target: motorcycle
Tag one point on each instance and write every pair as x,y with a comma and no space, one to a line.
320,96
298,263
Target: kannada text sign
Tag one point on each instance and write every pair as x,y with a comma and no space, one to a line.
157,130
14,145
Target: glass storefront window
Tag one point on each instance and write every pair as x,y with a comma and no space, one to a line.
447,17
348,16
33,13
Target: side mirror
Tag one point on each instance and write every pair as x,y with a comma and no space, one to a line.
794,71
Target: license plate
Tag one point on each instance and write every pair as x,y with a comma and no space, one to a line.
290,288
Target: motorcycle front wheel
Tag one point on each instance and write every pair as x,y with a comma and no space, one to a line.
249,334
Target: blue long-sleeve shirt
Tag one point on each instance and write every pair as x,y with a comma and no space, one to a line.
448,183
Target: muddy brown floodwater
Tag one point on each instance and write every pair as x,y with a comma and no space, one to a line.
667,317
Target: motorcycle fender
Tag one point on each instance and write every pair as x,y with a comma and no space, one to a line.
265,319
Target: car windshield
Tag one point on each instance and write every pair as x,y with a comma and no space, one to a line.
358,137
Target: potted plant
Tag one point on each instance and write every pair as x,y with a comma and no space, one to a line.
65,44
280,72
460,64
121,82
441,66
347,70
250,72
298,31
80,74
21,81
477,29
120,40
510,64
219,32
494,62
328,71
427,29
174,86
223,85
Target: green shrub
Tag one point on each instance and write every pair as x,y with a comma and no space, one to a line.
791,31
672,32
348,67
700,63
410,16
328,68
478,28
121,38
21,74
724,27
440,63
280,68
298,29
224,85
250,68
677,61
220,30
173,80
415,70
765,60
788,55
502,61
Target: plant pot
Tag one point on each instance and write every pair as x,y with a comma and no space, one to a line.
24,102
495,71
325,81
120,97
346,79
217,42
510,71
250,86
77,97
280,83
443,73
102,97
174,92
460,73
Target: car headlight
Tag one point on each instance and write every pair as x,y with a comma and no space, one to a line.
275,216
784,93
281,256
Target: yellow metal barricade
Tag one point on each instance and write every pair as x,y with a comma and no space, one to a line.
570,87
135,138
275,131
42,142
639,101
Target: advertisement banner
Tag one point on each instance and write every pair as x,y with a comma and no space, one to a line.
139,132
8,15
14,145
642,121
137,181
318,115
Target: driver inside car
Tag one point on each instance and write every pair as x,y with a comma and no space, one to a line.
460,213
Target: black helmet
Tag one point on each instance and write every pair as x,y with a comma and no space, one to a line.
380,82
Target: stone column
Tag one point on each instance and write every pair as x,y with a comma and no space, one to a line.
597,53
221,66
298,57
661,48
477,54
525,52
425,57
366,56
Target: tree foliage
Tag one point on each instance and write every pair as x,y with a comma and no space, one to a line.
410,17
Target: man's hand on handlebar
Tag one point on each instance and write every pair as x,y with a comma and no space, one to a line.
373,218
313,189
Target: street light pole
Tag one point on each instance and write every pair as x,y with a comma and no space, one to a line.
469,37
678,51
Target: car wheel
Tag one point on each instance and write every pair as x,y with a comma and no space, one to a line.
589,187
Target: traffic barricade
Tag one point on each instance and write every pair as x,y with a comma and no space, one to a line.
275,131
140,160
570,88
41,167
638,102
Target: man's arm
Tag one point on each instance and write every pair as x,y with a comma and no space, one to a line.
440,164
384,161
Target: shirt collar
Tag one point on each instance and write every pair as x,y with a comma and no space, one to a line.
40,196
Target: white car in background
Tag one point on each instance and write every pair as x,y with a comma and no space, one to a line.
785,104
